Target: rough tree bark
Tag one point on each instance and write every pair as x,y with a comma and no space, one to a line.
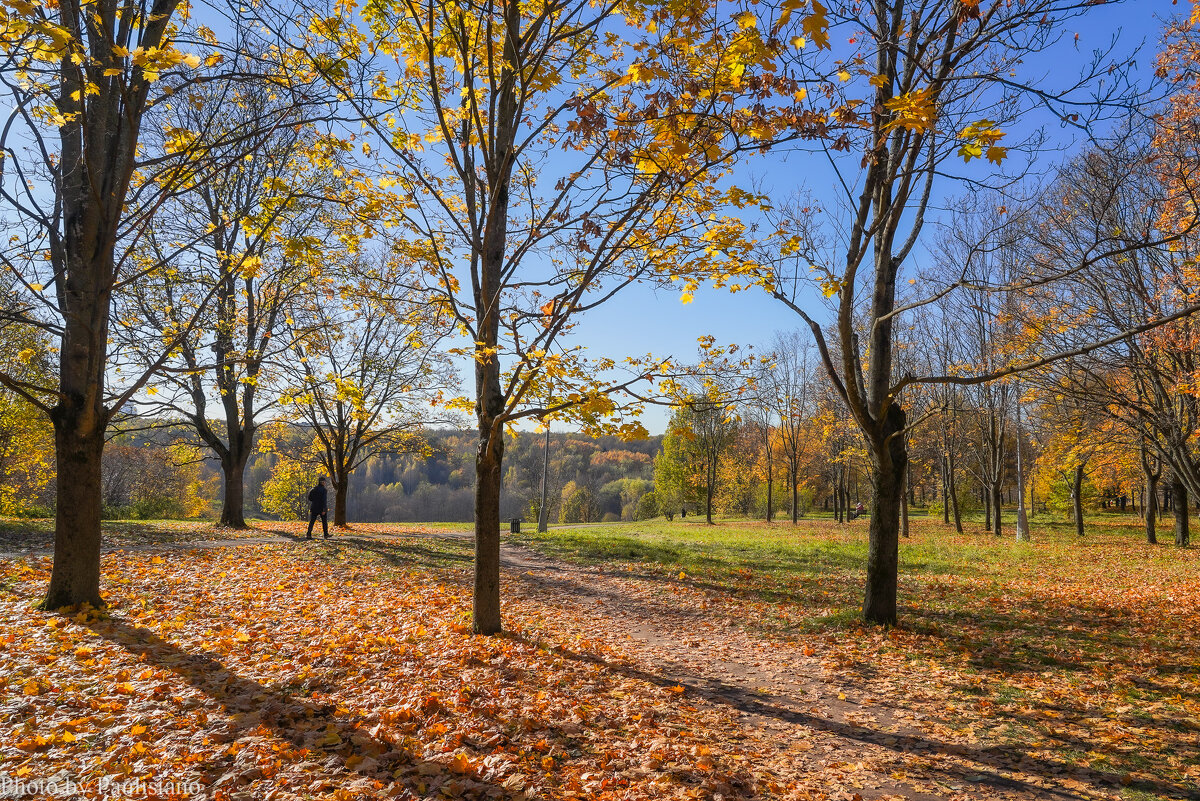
95,165
889,460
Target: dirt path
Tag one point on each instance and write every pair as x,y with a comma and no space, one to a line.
798,716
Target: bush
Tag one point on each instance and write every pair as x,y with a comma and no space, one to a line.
647,506
285,493
577,506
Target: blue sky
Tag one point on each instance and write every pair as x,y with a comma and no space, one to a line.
641,320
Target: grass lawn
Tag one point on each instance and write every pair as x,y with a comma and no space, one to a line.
1083,654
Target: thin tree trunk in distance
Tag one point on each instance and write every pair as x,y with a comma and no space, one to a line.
1179,499
958,526
1150,509
543,514
1077,499
987,508
770,480
945,489
793,470
997,495
1151,472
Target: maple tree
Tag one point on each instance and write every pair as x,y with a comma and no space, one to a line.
242,254
1121,195
81,185
364,380
921,86
81,79
542,158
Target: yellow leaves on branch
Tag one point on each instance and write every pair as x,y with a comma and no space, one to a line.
915,111
816,26
155,60
28,34
980,137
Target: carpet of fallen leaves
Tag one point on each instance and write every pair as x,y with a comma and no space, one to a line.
323,671
345,669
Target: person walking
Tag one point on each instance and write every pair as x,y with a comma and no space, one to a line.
317,506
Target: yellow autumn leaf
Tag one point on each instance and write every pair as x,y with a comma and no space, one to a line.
816,25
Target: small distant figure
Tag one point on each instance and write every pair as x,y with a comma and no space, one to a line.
858,511
317,508
683,511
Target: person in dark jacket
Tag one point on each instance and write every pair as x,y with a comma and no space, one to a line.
318,508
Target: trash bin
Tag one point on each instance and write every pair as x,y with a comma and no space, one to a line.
514,525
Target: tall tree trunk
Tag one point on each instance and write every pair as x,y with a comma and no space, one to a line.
233,503
945,489
1077,499
843,497
907,488
711,475
1151,471
987,507
1150,508
837,495
770,480
793,470
1179,500
341,488
75,577
883,550
543,513
488,466
80,420
997,494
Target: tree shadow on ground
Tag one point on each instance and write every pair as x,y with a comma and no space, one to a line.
300,721
985,767
409,554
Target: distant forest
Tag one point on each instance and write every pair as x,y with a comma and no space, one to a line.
609,475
